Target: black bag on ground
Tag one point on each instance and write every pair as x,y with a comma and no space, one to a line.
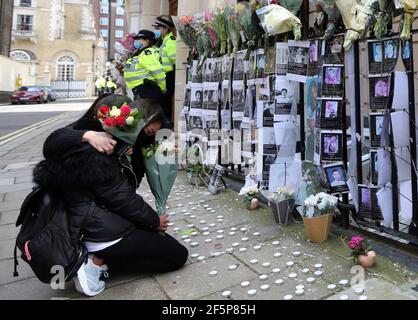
44,238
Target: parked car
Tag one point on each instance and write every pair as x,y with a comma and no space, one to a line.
29,94
52,95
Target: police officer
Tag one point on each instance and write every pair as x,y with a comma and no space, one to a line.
111,86
144,73
167,52
100,85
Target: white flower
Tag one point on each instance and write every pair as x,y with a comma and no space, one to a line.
311,201
129,120
115,112
166,147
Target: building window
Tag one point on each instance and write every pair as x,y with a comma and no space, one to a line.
26,3
24,22
119,22
65,68
20,55
104,9
104,21
120,11
104,33
119,33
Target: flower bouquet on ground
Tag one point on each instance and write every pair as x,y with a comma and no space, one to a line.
161,169
250,199
361,251
318,213
232,28
277,20
124,123
245,13
283,200
217,24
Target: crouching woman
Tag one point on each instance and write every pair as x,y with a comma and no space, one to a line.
116,225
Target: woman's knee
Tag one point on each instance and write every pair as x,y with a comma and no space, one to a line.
182,254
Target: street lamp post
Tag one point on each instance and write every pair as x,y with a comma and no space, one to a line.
109,30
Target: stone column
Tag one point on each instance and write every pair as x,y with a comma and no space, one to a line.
6,19
46,76
89,83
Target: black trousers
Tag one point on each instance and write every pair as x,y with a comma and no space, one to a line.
168,96
145,251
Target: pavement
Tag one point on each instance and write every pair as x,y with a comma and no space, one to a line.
247,249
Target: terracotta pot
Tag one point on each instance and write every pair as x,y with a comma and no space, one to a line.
254,204
367,261
318,228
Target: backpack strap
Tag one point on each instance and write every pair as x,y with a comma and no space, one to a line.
16,262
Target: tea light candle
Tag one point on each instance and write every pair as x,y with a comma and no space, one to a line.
255,234
208,208
180,205
242,249
290,263
292,275
299,292
232,233
253,261
187,240
176,229
276,270
318,273
233,229
279,282
232,267
170,224
263,277
173,213
300,287
219,236
202,221
252,292
229,250
220,217
296,253
201,258
184,236
194,234
212,211
363,298
206,233
235,244
193,208
343,297
243,229
245,284
257,248
193,216
358,290
220,231
208,240
266,264
244,239
194,244
310,280
220,220
226,294
343,282
205,205
213,273
183,210
212,225
318,265
194,255
265,287
305,270
288,297
331,287
277,255
205,228
275,243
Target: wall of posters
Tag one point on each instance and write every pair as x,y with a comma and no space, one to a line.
297,68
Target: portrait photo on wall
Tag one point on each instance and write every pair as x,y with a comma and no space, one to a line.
205,100
314,54
238,72
336,177
238,99
195,122
406,54
331,145
390,55
226,120
197,74
261,64
187,96
332,51
333,81
376,127
196,98
225,95
268,160
375,53
282,58
368,205
213,99
270,64
297,68
208,68
380,88
311,94
266,114
252,65
226,67
374,169
330,113
284,96
216,70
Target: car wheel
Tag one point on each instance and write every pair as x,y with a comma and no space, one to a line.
38,102
14,102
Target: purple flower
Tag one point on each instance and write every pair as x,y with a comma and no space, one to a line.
355,242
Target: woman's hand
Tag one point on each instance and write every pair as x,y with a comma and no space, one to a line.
129,152
163,223
101,141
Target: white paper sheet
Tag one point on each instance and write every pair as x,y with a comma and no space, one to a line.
401,92
286,135
403,163
384,198
405,199
400,127
285,174
383,167
352,186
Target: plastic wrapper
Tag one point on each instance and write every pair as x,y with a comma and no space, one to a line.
186,31
345,8
386,7
251,33
408,12
363,17
331,10
213,36
232,28
218,25
292,5
276,20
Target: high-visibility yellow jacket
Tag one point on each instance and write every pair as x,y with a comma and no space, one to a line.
100,83
168,52
144,66
111,84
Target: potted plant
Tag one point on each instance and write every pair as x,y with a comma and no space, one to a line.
282,203
318,213
362,252
250,200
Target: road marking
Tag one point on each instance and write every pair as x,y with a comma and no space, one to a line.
18,133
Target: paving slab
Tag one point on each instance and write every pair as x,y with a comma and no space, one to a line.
8,232
9,217
6,271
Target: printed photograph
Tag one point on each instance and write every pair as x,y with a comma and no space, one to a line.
336,177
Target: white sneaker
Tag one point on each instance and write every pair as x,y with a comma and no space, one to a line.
88,280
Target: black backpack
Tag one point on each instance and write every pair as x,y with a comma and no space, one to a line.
44,238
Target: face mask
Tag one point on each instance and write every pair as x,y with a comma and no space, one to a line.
137,44
158,34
